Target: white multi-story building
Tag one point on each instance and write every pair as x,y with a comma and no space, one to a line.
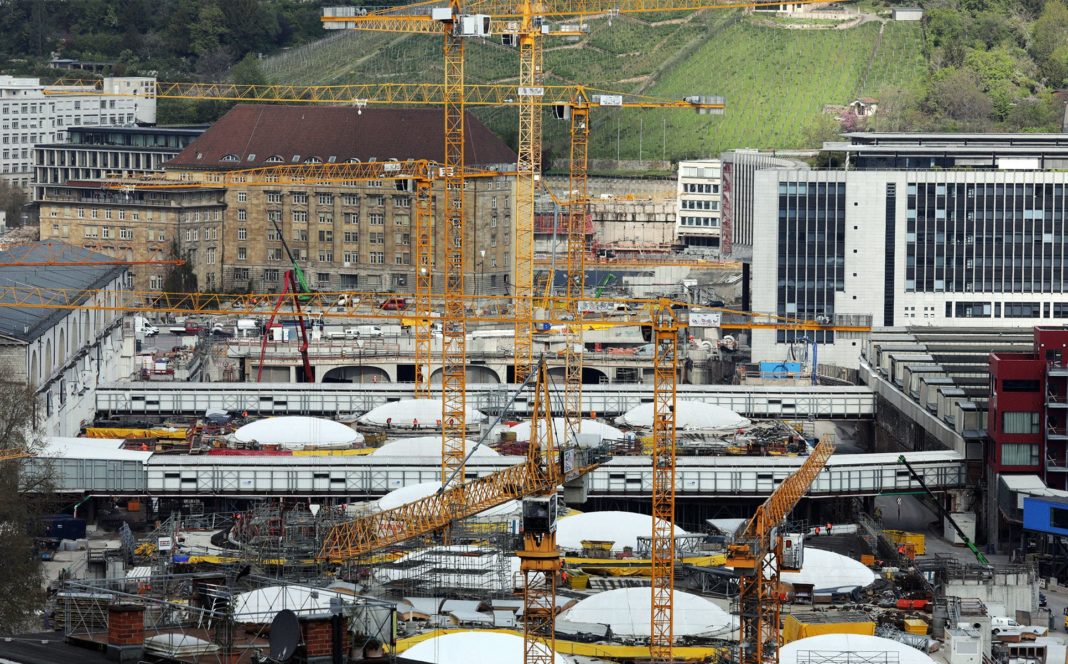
31,113
698,215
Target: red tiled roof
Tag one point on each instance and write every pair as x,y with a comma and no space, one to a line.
254,133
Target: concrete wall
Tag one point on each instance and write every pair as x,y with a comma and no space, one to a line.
1011,591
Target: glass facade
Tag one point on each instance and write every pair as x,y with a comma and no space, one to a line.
811,254
991,238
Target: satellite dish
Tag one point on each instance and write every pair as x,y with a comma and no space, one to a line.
285,636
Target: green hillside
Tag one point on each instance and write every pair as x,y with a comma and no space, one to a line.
776,80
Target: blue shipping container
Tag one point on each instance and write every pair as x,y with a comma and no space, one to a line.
1046,515
62,526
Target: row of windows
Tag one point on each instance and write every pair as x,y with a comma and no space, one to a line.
705,222
700,188
1007,310
111,233
691,204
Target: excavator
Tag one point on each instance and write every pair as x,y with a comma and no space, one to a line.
296,285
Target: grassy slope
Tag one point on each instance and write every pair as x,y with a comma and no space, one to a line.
776,81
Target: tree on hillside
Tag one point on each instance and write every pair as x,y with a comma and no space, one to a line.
1049,42
956,95
25,494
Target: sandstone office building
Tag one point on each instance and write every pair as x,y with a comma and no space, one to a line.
346,236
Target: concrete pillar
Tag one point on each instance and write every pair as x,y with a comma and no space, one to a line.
126,632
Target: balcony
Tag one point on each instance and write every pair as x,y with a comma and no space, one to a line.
1056,433
1054,370
1056,465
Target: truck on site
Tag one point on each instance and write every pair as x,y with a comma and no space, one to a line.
144,328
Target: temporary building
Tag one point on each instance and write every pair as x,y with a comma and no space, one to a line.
426,446
860,648
297,432
470,647
413,413
605,431
828,570
627,610
695,415
623,528
414,492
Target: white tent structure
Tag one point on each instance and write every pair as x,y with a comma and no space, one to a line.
427,446
413,414
260,606
605,431
297,433
414,492
472,647
623,528
862,646
693,415
626,611
827,570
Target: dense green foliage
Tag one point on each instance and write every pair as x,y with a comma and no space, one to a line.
176,38
985,65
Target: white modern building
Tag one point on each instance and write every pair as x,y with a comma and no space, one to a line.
63,353
916,229
698,215
985,248
32,113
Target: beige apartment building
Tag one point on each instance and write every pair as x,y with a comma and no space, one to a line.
353,236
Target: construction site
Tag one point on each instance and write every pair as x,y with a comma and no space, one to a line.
543,450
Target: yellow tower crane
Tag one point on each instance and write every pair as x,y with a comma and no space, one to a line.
760,554
524,22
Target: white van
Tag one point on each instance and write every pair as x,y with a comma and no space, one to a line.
1000,624
363,332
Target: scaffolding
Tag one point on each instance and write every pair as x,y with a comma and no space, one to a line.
279,540
197,618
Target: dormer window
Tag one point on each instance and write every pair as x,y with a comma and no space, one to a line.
313,160
274,159
230,157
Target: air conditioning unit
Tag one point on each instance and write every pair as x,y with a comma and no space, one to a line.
475,25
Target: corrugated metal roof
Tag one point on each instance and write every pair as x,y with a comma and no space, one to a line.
249,136
28,323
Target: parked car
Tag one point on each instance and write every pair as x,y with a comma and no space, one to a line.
395,304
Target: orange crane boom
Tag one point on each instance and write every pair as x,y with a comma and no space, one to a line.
758,556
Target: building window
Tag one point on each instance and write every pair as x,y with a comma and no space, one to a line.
326,236
1020,385
377,201
351,257
270,274
326,218
300,217
242,197
377,258
323,278
242,253
155,282
274,197
326,199
211,255
274,254
1015,454
242,215
402,259
241,273
352,237
378,219
326,257
404,201
105,232
242,234
126,234
378,238
1021,422
299,198
350,199
972,309
1023,310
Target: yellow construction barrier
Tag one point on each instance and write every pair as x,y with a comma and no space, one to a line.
121,432
916,626
601,650
798,626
